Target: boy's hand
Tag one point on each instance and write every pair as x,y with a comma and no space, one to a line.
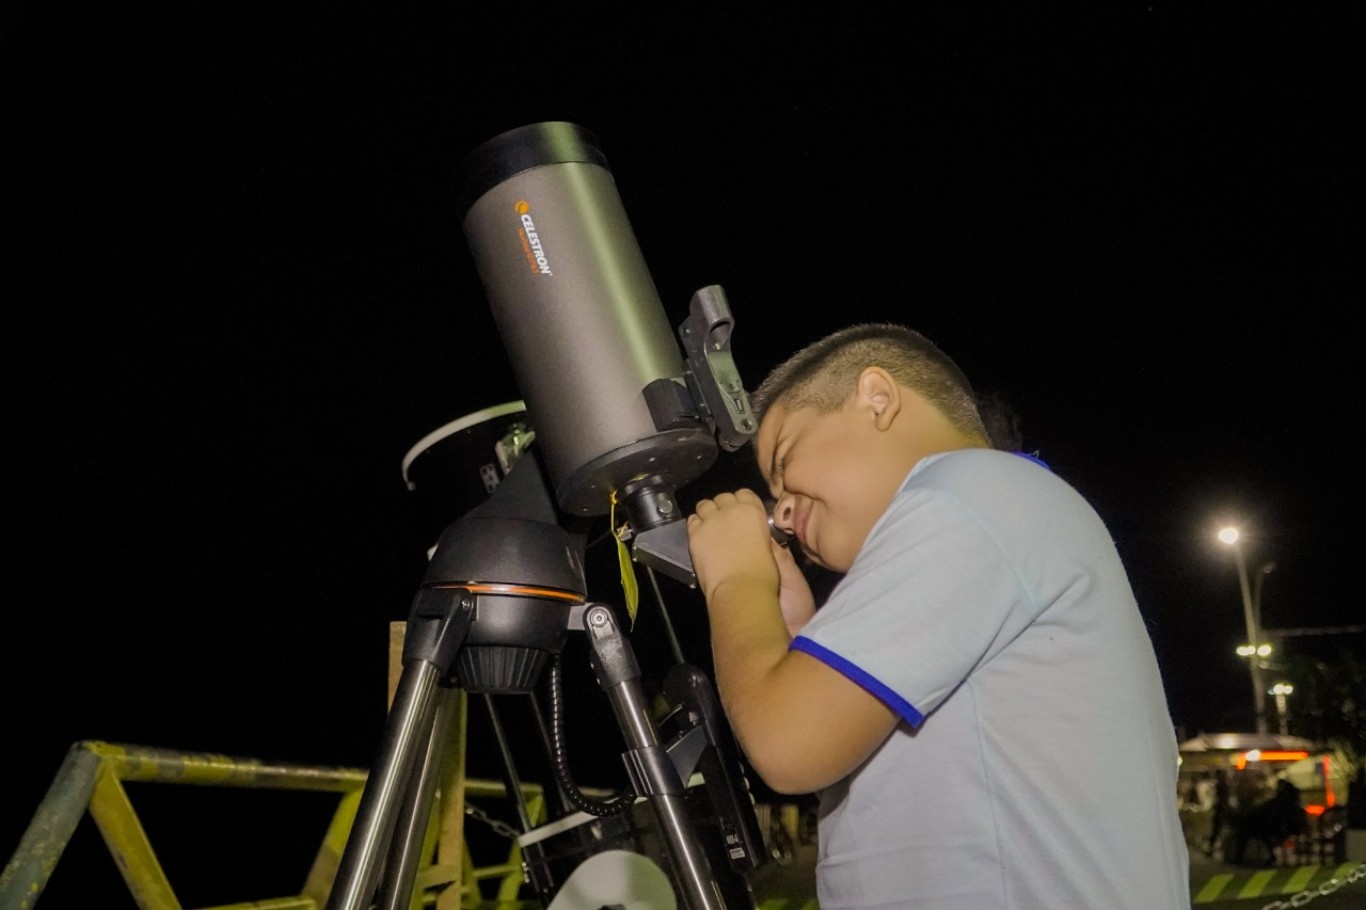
729,540
794,591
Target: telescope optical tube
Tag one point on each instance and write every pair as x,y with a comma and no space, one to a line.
595,359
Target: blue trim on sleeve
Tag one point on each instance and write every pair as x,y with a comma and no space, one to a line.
1034,457
860,676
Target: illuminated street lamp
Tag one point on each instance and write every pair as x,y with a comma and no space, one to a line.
1281,690
1252,616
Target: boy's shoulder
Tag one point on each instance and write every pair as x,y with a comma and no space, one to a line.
985,476
997,483
972,461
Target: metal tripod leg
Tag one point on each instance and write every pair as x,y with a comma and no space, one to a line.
652,771
405,849
397,783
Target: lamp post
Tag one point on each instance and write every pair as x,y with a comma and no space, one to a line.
1229,536
1281,690
1263,571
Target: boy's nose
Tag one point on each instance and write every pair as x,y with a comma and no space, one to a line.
780,517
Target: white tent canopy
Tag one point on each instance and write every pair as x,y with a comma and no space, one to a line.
1246,742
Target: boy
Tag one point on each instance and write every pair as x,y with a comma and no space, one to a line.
977,702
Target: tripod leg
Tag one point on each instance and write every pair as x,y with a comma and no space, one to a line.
511,779
405,851
437,625
411,716
651,769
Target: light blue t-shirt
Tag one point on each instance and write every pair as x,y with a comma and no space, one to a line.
1036,763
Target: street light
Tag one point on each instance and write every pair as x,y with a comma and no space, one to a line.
1252,610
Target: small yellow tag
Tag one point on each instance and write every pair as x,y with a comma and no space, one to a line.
628,570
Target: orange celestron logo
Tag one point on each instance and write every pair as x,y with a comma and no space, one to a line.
531,241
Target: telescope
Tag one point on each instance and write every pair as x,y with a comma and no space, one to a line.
619,415
616,410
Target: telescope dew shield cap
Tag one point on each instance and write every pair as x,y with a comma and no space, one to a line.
578,313
458,465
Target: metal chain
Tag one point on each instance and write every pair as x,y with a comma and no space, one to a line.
501,827
1328,887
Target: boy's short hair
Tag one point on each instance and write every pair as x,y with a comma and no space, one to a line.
824,374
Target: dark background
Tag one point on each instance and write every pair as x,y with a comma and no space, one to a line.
236,293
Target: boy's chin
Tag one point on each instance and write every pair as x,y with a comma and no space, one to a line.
815,559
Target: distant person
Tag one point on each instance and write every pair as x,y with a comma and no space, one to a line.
1001,420
977,702
1205,792
1221,812
1270,824
1188,799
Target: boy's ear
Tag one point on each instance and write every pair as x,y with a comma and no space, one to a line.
879,395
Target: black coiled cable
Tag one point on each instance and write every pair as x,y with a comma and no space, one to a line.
601,808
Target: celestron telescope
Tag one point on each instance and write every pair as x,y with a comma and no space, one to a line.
620,420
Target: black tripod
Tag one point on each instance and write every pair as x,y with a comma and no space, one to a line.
504,587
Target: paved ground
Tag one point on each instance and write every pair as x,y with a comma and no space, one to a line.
1215,885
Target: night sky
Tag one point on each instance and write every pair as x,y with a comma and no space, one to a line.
237,293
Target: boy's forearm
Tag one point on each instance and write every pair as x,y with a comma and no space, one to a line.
749,640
